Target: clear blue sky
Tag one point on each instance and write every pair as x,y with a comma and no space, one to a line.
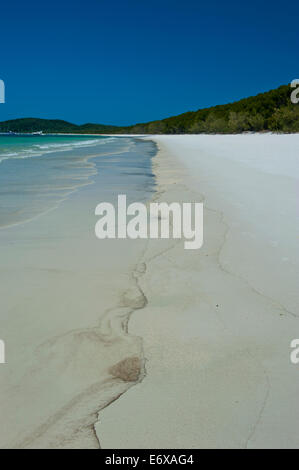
127,61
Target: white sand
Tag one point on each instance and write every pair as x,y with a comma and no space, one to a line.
65,298
219,321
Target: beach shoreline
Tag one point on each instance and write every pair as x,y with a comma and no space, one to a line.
216,332
141,343
65,302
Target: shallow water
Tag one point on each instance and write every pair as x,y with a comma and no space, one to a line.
37,173
66,296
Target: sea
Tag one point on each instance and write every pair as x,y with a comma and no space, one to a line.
38,172
66,296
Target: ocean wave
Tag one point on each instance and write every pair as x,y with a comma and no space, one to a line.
37,150
83,143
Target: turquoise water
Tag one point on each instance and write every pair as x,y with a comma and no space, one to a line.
32,146
38,172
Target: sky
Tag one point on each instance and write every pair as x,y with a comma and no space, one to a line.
128,61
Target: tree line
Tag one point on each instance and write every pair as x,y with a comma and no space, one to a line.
269,111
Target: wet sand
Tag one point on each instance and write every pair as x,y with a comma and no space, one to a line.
218,322
66,298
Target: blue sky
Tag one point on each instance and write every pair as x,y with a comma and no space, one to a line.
121,62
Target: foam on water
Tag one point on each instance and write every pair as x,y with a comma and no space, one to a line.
66,297
37,173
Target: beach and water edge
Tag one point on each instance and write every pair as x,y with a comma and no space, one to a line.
218,321
67,297
193,344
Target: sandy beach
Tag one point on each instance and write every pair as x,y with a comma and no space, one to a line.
65,301
142,343
218,322
149,227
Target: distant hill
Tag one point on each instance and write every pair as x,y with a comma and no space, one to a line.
269,111
53,126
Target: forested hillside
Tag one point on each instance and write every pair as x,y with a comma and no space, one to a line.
270,111
53,126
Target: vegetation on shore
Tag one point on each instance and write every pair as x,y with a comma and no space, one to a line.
270,111
53,126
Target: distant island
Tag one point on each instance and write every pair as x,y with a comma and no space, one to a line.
272,111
